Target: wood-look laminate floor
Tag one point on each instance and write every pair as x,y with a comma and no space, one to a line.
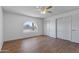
41,44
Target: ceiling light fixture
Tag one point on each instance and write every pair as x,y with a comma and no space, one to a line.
44,9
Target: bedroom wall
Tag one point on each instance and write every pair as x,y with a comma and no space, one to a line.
1,27
13,26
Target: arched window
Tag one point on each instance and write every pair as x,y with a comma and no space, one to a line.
30,26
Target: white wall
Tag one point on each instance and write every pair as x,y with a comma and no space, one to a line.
13,25
1,27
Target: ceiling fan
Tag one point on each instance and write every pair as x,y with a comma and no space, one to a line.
44,9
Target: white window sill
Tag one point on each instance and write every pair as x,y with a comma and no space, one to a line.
29,31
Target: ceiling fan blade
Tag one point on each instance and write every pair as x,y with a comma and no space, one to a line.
49,7
49,11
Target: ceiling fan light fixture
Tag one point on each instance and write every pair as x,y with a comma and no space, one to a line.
44,11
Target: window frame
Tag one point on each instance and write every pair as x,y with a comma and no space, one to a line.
34,29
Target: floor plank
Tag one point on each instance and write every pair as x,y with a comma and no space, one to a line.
41,44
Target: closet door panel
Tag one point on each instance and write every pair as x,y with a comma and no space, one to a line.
64,28
60,28
45,27
75,28
48,28
52,28
67,28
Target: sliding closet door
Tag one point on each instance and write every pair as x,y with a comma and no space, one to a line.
47,27
64,28
60,28
67,28
75,28
53,28
50,27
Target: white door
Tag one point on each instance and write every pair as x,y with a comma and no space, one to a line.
60,28
64,28
52,28
75,28
47,27
67,28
